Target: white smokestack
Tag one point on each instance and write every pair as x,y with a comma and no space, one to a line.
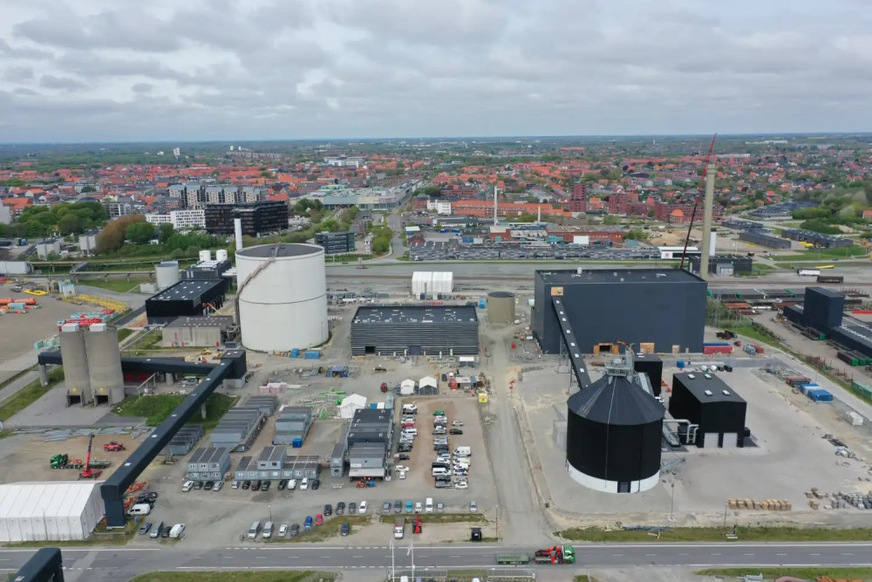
237,231
707,221
496,193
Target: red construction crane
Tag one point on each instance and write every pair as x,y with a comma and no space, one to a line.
88,472
698,197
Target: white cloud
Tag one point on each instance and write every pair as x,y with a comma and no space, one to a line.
214,69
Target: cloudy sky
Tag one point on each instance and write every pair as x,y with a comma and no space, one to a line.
92,70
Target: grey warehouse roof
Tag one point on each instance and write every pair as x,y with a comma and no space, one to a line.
281,250
186,290
699,384
617,401
414,314
570,276
222,321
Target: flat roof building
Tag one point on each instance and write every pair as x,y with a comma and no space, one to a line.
189,297
707,401
415,330
657,310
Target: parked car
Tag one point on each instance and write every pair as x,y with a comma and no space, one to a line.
292,484
218,486
398,506
328,510
386,507
340,508
207,486
455,431
235,485
352,508
187,486
264,485
315,484
440,507
304,484
345,529
473,506
143,529
418,507
157,531
409,507
283,530
166,531
246,484
255,485
361,509
295,530
456,423
198,485
319,519
307,525
282,484
461,484
403,457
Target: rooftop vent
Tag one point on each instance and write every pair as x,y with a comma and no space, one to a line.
708,392
691,376
726,392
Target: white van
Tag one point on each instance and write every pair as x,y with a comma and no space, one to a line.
463,452
177,531
428,505
267,530
140,509
254,530
440,472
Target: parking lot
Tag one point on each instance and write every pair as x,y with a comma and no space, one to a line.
439,251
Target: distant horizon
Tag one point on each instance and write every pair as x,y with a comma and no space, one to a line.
487,138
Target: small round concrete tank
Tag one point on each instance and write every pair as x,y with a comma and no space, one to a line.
221,255
167,274
104,363
74,357
282,296
205,256
501,307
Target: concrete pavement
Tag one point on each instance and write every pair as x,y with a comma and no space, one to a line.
116,564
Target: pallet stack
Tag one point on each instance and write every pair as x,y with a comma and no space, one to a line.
764,505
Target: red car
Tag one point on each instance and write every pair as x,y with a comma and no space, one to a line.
319,519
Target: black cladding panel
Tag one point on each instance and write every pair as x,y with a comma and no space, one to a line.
613,453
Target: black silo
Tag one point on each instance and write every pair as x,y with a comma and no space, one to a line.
614,429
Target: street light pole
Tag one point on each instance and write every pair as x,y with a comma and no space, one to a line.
270,512
672,503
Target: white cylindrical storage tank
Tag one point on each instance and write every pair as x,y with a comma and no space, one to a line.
221,255
167,274
205,256
284,304
74,357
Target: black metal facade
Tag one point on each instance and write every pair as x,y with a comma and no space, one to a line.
709,403
415,330
257,218
762,238
185,298
824,307
336,242
614,430
652,366
665,307
741,264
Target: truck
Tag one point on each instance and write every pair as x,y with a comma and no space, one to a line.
63,461
552,555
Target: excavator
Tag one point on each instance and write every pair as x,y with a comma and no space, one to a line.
88,472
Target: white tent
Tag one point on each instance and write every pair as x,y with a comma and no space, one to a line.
351,403
432,282
407,387
38,511
428,381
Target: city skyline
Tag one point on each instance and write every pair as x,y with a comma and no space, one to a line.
215,71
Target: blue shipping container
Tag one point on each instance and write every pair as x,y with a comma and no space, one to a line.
804,388
716,344
820,395
312,355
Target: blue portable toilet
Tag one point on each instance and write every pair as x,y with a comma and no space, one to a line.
295,352
297,442
680,364
481,303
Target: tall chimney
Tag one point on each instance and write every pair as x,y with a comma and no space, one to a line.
496,193
707,221
237,231
538,214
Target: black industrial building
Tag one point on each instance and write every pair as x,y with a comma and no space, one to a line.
370,425
705,400
823,312
658,310
415,330
335,242
257,218
188,297
652,366
763,238
826,241
724,265
613,434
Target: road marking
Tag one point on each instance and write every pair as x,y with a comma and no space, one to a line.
846,554
780,554
716,554
747,554
228,557
650,555
360,557
617,555
814,554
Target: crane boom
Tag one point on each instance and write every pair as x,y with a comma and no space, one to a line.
698,197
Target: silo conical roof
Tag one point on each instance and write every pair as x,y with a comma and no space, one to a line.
617,401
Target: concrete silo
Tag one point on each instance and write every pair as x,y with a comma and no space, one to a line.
75,362
282,296
501,307
104,364
167,274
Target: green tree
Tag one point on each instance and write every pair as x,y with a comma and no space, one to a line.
139,232
611,220
69,223
165,231
88,189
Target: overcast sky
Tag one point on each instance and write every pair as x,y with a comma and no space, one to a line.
93,70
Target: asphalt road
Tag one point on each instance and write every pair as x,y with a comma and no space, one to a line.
122,563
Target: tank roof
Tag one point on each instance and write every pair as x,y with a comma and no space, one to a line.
281,250
506,294
616,400
606,276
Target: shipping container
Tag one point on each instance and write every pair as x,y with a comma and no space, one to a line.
312,354
820,395
848,359
717,349
804,388
716,344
